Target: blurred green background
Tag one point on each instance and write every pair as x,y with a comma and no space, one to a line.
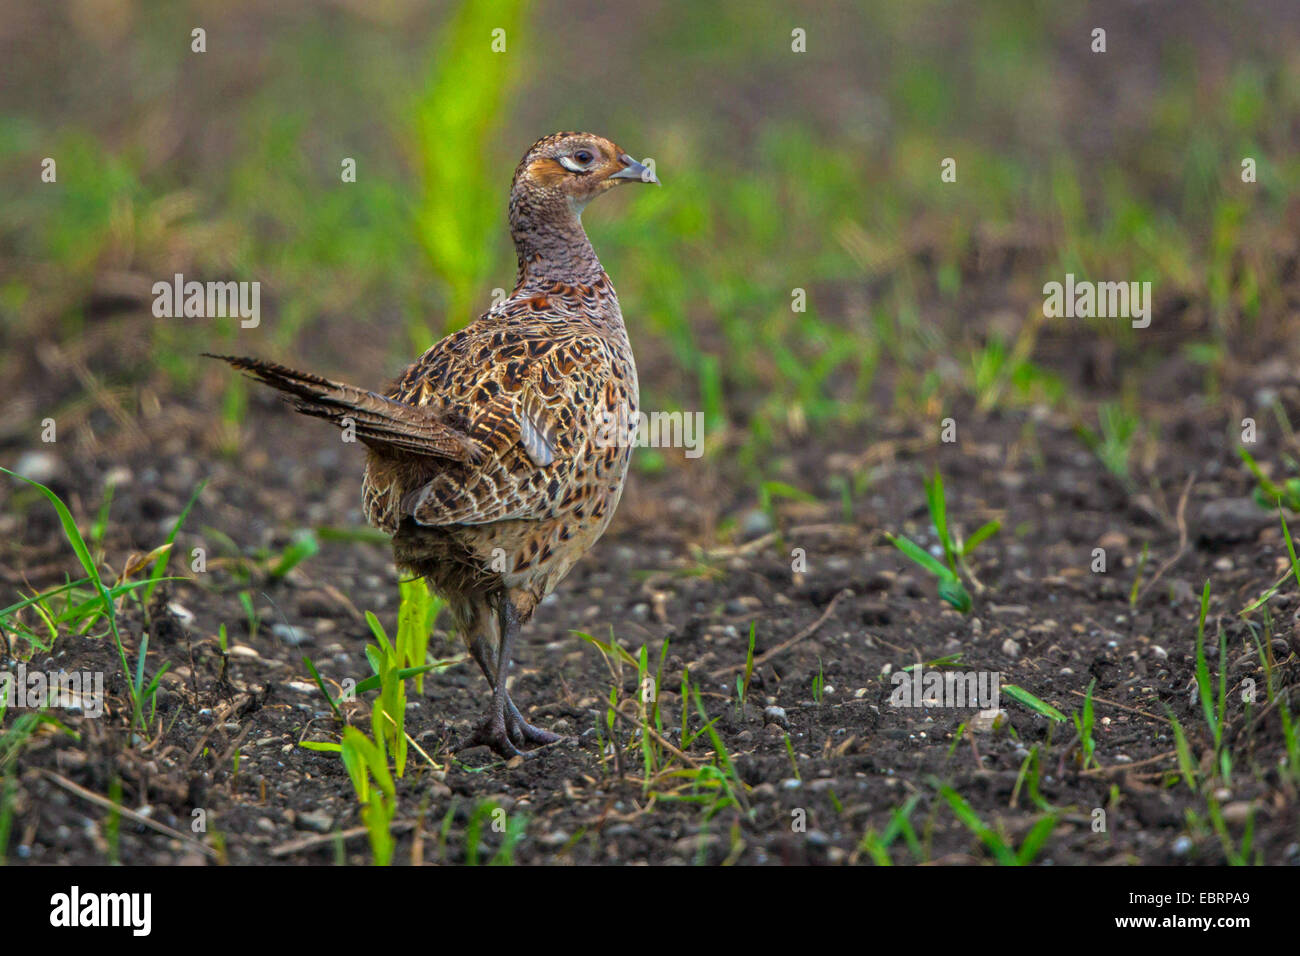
784,170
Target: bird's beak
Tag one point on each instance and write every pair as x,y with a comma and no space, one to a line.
634,170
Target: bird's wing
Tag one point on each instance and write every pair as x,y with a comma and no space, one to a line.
528,402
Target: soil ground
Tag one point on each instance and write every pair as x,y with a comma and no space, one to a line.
1045,622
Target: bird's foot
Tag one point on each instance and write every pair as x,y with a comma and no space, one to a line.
490,733
507,734
523,733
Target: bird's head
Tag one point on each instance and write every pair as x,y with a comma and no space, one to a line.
575,167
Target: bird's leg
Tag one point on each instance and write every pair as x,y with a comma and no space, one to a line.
486,660
492,732
495,667
520,731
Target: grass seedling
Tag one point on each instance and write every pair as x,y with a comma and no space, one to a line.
366,759
1007,378
474,829
1268,493
444,828
511,828
303,546
654,747
234,407
670,772
160,564
742,681
723,771
394,662
646,697
996,842
769,492
1213,705
1186,765
366,762
251,616
19,732
8,788
845,488
100,524
1022,696
900,824
103,604
74,604
616,657
1113,446
659,682
320,682
948,660
354,535
685,692
1291,738
1029,774
1236,855
416,618
1290,546
1083,724
113,825
1137,578
955,550
644,714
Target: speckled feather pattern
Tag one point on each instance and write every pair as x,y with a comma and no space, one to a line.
552,358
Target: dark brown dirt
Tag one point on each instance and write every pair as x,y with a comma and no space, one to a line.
226,734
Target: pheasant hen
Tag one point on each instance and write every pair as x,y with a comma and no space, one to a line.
498,458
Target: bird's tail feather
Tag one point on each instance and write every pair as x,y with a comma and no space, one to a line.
378,421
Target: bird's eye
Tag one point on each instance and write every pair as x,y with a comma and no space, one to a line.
578,161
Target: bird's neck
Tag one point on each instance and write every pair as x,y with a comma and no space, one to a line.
551,244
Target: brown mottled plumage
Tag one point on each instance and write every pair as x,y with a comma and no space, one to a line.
499,456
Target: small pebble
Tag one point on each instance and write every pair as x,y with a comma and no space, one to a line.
39,466
318,821
293,636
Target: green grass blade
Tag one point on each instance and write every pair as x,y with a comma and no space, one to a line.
160,565
1038,706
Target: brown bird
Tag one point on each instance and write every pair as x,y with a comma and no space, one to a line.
498,458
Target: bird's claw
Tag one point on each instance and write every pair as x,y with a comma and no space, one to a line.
491,733
507,734
523,733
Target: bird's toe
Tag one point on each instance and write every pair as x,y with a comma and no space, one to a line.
491,733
